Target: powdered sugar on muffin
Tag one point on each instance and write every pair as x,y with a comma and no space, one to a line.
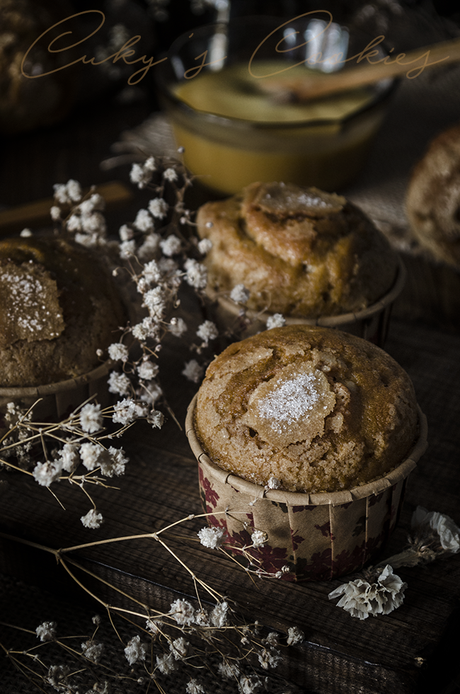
316,408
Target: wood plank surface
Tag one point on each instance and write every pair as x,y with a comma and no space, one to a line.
395,653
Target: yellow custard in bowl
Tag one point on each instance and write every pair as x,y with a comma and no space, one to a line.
234,132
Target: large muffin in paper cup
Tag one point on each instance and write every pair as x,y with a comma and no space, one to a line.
58,308
306,434
312,256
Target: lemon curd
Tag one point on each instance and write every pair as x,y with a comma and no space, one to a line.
235,133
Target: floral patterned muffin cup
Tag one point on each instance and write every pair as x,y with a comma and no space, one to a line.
55,401
305,536
371,323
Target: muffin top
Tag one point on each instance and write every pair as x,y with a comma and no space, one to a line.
58,306
317,409
300,251
433,197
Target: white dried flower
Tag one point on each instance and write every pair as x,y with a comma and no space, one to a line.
151,272
125,233
177,327
126,411
147,370
166,663
113,462
68,192
212,537
158,208
119,383
207,331
444,526
156,419
118,351
136,650
94,203
55,213
142,175
228,670
69,457
259,538
218,615
92,520
88,240
295,636
250,684
171,245
148,328
94,223
192,371
46,631
170,174
74,223
142,285
361,598
56,676
273,483
26,233
179,648
196,273
149,164
155,302
92,650
193,687
91,417
182,612
90,454
275,321
204,246
127,249
272,639
269,658
143,221
239,294
48,472
153,626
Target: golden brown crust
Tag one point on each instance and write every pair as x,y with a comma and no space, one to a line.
299,251
316,408
433,198
58,307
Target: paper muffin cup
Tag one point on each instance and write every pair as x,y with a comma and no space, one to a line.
308,536
370,323
57,400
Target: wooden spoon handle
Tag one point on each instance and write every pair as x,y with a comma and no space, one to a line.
410,64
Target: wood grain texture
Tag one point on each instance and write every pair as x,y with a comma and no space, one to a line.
341,654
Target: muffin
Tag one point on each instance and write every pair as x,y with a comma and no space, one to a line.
58,306
433,198
317,409
300,252
307,434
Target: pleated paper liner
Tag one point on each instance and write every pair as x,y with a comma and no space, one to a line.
58,400
317,536
370,323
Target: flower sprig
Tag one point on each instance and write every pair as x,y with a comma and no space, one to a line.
76,450
202,635
379,590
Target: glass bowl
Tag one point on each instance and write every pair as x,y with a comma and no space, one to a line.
212,84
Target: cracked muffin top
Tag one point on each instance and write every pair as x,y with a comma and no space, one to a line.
58,306
314,408
300,251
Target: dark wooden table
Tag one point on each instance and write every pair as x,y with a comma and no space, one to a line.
410,651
